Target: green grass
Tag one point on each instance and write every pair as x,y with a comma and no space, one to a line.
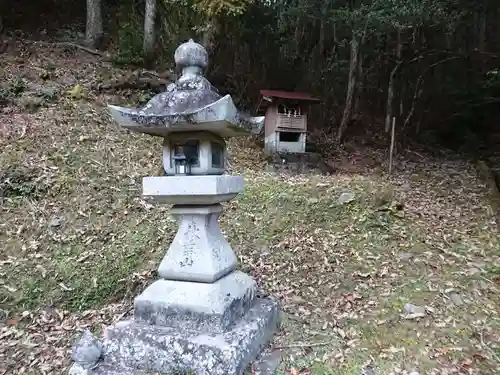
106,236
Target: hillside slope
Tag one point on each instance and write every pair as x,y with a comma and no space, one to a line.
78,242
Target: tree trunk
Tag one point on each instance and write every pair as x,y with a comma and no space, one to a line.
93,30
401,80
351,89
392,81
359,86
210,34
149,31
321,41
359,75
390,97
482,30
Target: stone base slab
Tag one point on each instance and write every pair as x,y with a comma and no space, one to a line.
134,348
196,306
106,369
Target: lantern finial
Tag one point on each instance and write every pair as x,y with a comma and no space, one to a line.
191,54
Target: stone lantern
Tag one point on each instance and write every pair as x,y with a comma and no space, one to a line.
202,316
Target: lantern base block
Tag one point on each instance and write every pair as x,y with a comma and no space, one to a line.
191,190
135,348
193,306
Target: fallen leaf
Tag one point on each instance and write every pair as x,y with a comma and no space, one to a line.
466,362
76,92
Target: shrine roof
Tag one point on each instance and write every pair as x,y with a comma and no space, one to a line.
289,95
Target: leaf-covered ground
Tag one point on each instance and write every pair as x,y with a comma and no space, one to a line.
401,272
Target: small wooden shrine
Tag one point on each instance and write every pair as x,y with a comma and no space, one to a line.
285,120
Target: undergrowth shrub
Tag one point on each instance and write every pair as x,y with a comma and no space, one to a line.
21,182
129,45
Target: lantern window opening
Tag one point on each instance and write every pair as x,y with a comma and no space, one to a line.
189,148
217,150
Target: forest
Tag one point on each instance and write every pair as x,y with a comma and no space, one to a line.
429,65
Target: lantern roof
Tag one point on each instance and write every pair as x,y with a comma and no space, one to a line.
189,104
